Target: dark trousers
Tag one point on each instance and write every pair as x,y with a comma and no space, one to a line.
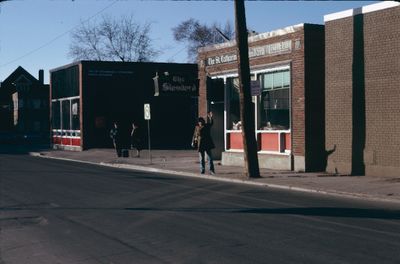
203,162
118,149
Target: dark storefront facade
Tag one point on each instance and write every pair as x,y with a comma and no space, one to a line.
287,73
87,97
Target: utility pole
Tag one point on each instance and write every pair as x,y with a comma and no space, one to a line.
246,110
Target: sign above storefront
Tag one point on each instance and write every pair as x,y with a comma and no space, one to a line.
175,84
256,51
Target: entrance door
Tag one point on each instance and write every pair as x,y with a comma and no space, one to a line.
215,98
217,130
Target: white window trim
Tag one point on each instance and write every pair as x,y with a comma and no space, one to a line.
65,98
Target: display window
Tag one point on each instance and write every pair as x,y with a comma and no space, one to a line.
233,104
274,101
271,110
65,112
66,121
56,114
75,121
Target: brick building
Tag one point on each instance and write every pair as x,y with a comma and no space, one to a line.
24,104
88,96
362,90
288,65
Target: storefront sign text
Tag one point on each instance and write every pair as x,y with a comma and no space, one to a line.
257,51
107,73
175,84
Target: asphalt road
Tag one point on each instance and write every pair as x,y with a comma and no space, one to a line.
64,212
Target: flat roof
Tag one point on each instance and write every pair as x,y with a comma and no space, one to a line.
75,63
361,10
257,37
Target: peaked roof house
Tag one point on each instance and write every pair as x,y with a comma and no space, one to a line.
24,103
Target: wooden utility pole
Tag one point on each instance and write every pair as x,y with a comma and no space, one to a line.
246,108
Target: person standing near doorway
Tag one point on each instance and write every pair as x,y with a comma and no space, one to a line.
116,138
136,139
202,138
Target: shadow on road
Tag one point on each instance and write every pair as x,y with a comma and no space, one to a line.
305,211
22,148
329,211
308,211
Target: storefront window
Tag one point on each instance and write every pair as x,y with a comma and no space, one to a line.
55,112
274,104
75,114
66,121
233,115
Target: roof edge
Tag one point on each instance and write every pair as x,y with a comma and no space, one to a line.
86,62
65,66
361,10
261,36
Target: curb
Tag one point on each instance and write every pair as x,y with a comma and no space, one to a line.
215,178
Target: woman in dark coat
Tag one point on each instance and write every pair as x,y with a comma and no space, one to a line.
136,139
116,138
204,143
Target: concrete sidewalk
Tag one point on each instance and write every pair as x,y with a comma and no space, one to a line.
185,163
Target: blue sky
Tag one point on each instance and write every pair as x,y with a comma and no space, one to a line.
35,34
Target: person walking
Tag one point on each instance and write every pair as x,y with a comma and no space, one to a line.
136,139
203,142
116,138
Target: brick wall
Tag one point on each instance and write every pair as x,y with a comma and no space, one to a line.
338,97
381,72
295,59
298,100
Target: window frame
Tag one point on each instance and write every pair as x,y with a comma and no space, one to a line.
254,75
258,98
62,130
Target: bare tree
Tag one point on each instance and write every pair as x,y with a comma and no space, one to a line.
197,35
112,39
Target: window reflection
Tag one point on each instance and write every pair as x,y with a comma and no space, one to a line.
274,102
233,116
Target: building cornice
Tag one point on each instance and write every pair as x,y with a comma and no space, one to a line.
258,37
